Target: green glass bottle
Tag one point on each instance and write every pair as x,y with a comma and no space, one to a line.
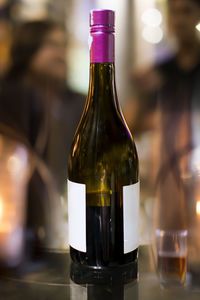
103,175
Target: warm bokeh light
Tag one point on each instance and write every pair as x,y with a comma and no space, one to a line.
14,174
152,35
198,207
17,162
152,17
1,208
1,144
14,164
198,27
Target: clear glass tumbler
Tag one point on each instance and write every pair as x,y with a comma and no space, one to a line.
171,249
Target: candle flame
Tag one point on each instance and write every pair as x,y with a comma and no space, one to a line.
198,207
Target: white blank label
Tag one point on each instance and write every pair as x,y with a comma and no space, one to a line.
77,215
131,216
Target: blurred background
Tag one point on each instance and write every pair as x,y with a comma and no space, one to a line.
141,33
44,72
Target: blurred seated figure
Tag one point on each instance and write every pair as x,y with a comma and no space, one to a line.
35,99
166,93
36,103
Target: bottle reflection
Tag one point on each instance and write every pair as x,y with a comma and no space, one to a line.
118,275
110,292
106,292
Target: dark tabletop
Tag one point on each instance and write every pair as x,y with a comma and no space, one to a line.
49,279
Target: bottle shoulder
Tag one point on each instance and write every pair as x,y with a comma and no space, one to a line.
102,148
103,132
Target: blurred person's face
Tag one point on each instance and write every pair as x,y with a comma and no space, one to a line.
50,59
184,15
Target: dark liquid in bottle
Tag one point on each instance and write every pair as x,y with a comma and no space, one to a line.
104,232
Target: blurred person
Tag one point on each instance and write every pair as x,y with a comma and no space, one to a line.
180,78
183,16
164,99
35,99
36,102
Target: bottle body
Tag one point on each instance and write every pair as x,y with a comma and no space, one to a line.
103,166
104,159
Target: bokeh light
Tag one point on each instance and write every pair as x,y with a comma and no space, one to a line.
152,17
152,35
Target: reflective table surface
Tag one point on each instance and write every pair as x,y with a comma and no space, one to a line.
48,278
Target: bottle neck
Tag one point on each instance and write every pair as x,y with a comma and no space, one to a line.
102,46
102,90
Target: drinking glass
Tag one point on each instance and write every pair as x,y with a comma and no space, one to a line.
171,249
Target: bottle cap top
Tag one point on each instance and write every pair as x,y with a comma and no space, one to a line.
102,18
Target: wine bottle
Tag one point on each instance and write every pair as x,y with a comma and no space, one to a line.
103,176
